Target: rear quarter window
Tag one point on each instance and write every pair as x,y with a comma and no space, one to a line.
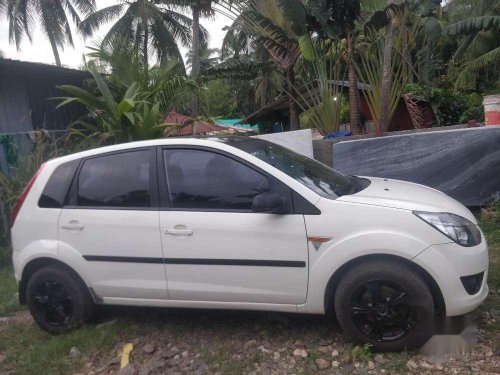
57,186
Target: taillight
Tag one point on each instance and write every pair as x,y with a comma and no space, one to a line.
23,196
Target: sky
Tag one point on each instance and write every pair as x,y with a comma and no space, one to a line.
41,51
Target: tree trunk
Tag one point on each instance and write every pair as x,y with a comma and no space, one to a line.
195,51
408,76
145,46
294,113
385,90
55,51
354,117
265,89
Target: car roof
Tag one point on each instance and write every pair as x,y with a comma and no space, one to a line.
246,144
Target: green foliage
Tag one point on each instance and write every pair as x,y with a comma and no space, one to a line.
129,118
217,99
370,70
474,108
362,353
473,24
332,18
12,184
448,106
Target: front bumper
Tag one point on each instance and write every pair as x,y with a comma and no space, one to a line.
447,263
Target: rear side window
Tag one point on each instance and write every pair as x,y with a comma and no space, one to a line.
198,179
55,190
116,180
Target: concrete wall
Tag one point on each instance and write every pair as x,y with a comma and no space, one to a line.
299,141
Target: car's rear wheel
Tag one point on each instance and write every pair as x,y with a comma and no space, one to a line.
58,300
386,304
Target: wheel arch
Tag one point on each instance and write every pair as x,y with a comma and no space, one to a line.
35,264
334,280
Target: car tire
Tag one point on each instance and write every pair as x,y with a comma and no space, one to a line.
386,304
58,299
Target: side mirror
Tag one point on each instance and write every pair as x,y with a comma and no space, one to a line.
269,202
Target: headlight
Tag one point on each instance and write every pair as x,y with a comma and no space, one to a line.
458,228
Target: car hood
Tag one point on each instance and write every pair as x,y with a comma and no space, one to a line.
407,196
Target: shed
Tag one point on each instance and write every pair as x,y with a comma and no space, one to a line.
25,92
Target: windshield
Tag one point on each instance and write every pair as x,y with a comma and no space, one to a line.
309,172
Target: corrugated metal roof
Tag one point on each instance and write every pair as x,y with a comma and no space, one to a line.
37,66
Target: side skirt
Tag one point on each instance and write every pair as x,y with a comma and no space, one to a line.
199,304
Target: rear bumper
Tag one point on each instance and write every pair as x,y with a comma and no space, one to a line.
447,263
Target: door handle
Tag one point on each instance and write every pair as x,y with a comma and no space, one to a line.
179,232
73,225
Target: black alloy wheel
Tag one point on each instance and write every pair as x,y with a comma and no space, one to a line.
381,311
385,303
58,299
53,302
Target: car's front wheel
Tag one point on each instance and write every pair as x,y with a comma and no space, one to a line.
58,299
386,304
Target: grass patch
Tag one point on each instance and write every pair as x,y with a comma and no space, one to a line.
8,292
29,350
490,224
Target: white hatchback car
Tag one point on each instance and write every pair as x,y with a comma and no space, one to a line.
241,223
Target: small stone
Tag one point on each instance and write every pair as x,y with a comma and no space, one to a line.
370,365
4,320
379,358
300,353
335,364
106,324
148,348
177,356
335,353
74,352
127,370
322,364
411,364
357,364
425,365
185,354
489,354
249,344
263,349
345,359
2,357
276,356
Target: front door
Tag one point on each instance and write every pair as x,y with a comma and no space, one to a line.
216,248
112,220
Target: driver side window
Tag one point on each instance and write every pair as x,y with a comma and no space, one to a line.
199,179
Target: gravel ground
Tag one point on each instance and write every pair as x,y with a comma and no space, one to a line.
222,342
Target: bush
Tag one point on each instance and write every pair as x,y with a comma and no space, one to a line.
448,106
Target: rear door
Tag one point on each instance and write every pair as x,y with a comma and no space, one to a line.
111,219
216,248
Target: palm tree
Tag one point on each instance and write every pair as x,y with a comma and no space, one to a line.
335,19
206,57
277,32
144,24
53,17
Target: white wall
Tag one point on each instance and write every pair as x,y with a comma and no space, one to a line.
299,140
